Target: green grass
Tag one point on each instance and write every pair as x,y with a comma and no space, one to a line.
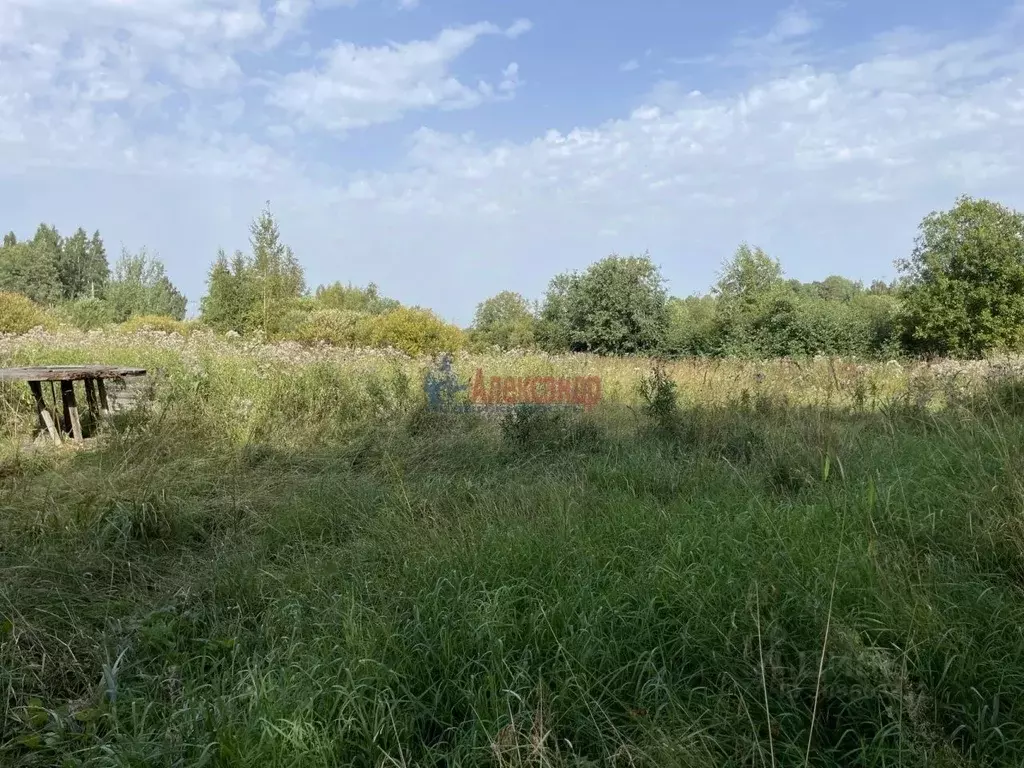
738,584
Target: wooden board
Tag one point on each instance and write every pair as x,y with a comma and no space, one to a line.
68,373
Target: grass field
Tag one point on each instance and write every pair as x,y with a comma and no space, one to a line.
286,561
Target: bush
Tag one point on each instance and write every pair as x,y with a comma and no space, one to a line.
413,330
339,327
660,403
694,327
618,306
155,323
19,314
87,314
294,319
536,428
504,321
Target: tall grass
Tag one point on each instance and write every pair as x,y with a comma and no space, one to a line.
288,562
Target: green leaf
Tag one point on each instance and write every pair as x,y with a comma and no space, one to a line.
31,741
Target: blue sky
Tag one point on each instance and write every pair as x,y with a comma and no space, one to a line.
449,149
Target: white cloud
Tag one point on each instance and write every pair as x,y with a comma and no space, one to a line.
357,86
510,78
784,45
629,66
829,163
519,27
792,22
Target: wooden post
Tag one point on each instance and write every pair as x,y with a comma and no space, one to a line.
104,407
72,423
90,397
45,417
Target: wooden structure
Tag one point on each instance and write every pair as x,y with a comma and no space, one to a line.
93,378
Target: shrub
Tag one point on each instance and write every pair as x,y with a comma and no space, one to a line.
659,402
694,327
293,320
87,314
618,306
339,327
155,323
505,321
19,314
348,297
412,330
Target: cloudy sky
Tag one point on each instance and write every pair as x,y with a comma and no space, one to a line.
450,149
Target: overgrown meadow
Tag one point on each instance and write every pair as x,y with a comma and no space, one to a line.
285,559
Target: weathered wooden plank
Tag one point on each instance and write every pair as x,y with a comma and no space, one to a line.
45,417
104,405
68,373
72,423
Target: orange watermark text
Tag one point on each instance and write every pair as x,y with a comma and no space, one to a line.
563,391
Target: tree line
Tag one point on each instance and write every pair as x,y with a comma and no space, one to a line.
72,276
960,292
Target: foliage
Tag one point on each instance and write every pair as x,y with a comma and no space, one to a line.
19,314
50,268
163,323
276,276
255,292
340,328
961,293
88,314
694,327
618,306
553,330
29,270
963,285
230,295
140,286
412,330
353,299
748,276
660,403
505,321
82,266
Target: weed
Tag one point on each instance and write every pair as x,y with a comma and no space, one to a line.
289,561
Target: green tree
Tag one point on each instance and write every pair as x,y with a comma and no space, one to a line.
258,292
618,306
349,298
881,288
837,288
505,321
276,273
28,270
963,285
694,327
97,270
756,304
140,286
82,266
230,296
48,244
552,331
748,276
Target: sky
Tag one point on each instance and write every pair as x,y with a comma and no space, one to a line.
451,149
